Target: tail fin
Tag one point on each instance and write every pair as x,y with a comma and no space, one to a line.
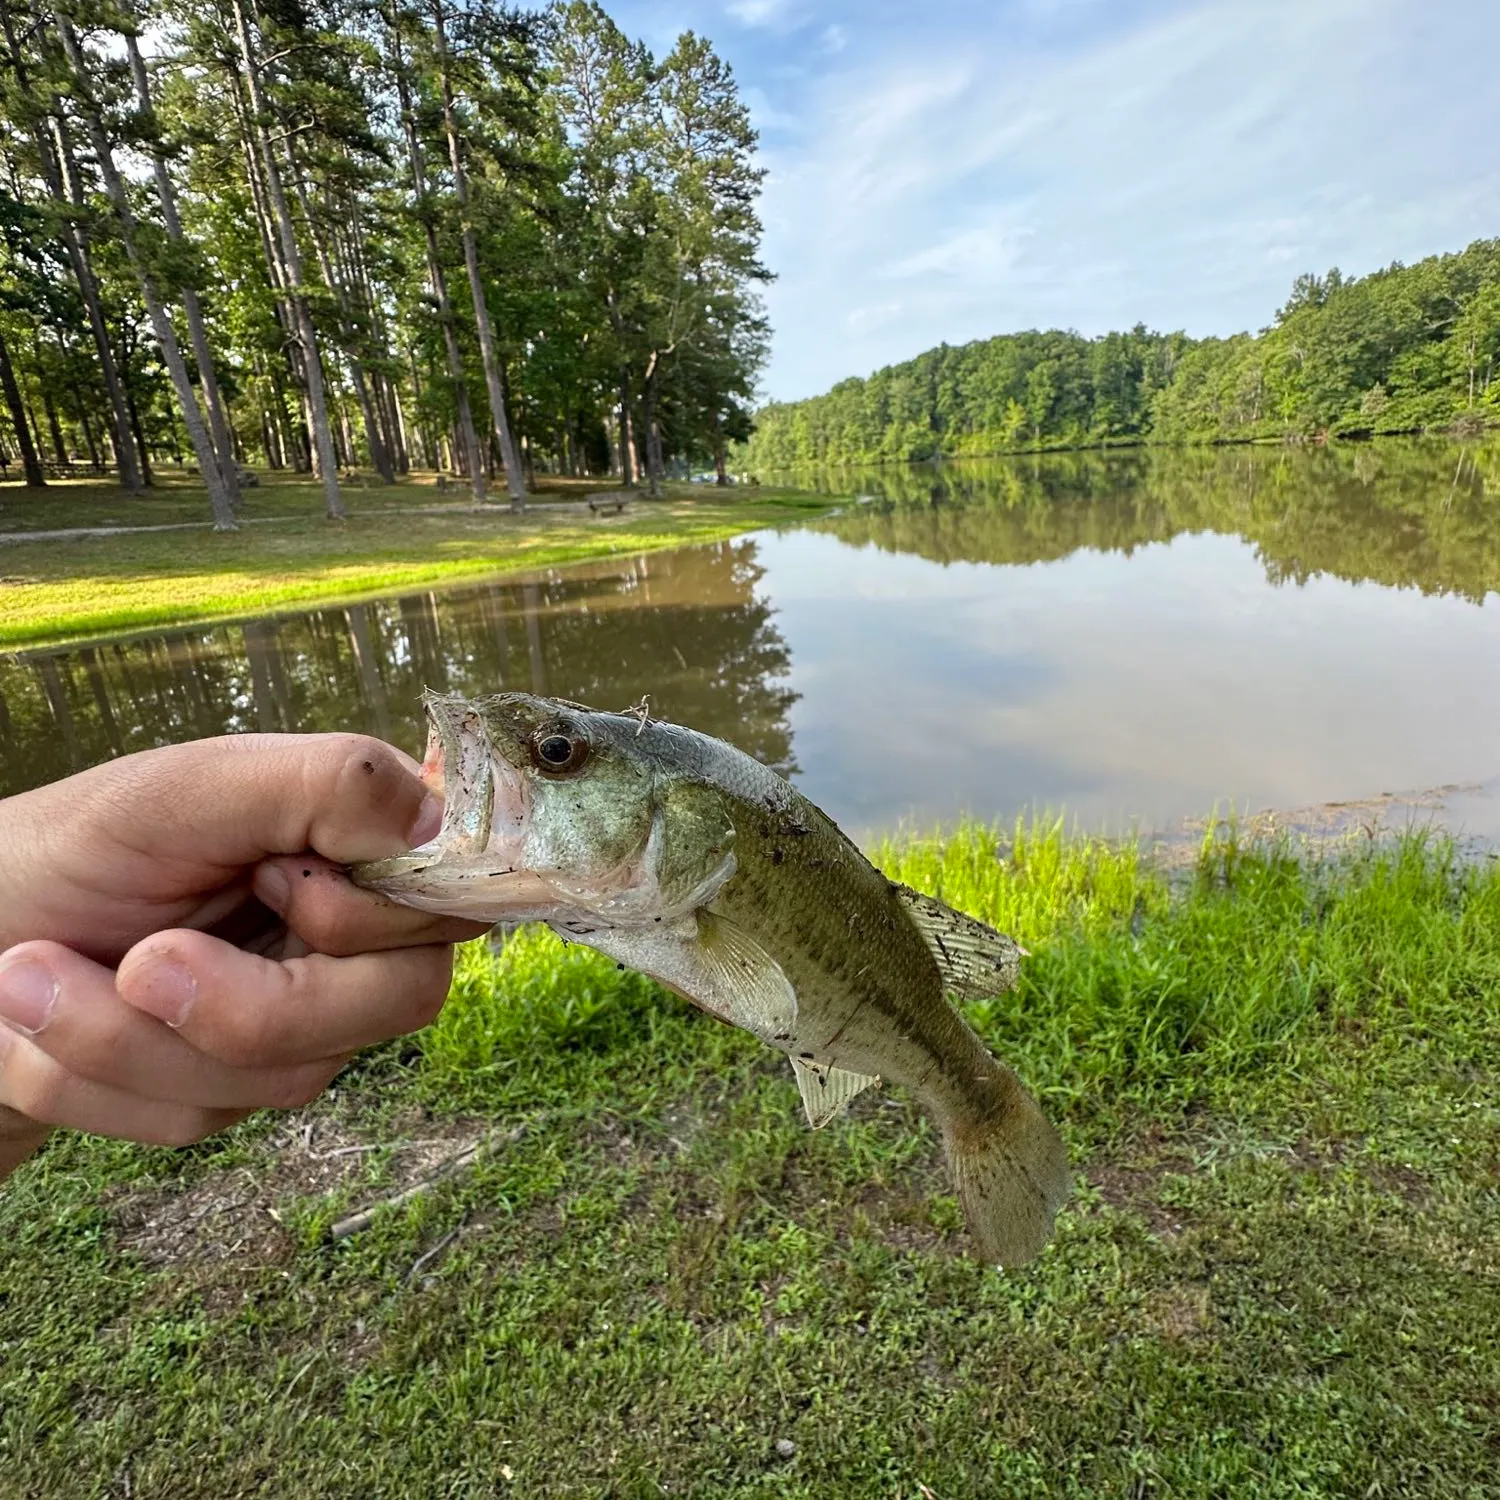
1011,1171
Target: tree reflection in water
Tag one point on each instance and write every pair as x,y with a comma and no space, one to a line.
1411,514
689,628
694,628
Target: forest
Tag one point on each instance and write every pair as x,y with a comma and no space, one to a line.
333,237
1406,349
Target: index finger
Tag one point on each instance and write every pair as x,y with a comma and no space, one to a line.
254,1012
237,798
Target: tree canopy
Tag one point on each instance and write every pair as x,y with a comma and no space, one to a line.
322,235
1406,349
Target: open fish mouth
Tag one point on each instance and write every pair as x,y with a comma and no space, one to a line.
476,854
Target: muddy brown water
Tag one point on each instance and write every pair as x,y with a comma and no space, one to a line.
1134,638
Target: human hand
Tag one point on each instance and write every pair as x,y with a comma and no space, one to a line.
179,946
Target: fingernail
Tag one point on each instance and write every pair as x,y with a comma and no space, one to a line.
166,990
429,821
273,889
27,994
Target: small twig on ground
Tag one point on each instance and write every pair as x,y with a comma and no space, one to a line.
373,1146
427,1256
343,1228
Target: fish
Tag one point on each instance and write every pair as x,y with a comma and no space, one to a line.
677,855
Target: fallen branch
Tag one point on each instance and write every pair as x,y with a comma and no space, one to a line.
343,1228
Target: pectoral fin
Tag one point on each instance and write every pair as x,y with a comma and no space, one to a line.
826,1090
975,960
713,963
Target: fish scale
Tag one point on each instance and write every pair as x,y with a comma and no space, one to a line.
678,855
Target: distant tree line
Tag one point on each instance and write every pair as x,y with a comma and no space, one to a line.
325,234
1410,348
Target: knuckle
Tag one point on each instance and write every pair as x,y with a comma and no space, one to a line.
363,760
247,1040
98,1048
39,1093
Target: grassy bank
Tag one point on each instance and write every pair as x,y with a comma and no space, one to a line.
405,536
1280,1275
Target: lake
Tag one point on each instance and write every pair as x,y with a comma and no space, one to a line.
1133,637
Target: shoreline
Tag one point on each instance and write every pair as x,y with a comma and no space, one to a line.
130,581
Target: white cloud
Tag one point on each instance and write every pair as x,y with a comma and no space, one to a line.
874,317
1176,170
970,252
758,12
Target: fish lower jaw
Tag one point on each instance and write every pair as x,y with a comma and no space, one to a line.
481,893
378,874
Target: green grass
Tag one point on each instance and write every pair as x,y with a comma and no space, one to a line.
1280,1275
56,591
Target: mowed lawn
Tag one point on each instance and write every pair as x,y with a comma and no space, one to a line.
1279,1275
288,555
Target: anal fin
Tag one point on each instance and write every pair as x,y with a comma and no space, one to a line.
827,1090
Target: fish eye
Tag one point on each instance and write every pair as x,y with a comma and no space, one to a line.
558,753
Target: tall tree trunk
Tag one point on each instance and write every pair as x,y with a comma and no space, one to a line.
426,444
316,396
52,161
161,324
31,465
89,440
515,479
143,453
36,431
396,418
649,390
383,392
468,437
627,476
132,477
380,459
294,454
208,381
59,448
81,403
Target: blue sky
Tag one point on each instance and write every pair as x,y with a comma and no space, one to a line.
947,169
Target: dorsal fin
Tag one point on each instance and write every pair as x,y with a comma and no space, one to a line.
827,1090
975,960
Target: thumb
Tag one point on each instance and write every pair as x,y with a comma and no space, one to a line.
236,799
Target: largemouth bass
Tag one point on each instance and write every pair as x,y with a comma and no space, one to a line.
679,856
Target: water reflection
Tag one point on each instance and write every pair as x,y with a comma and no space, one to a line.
1133,636
1138,635
691,628
1423,514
